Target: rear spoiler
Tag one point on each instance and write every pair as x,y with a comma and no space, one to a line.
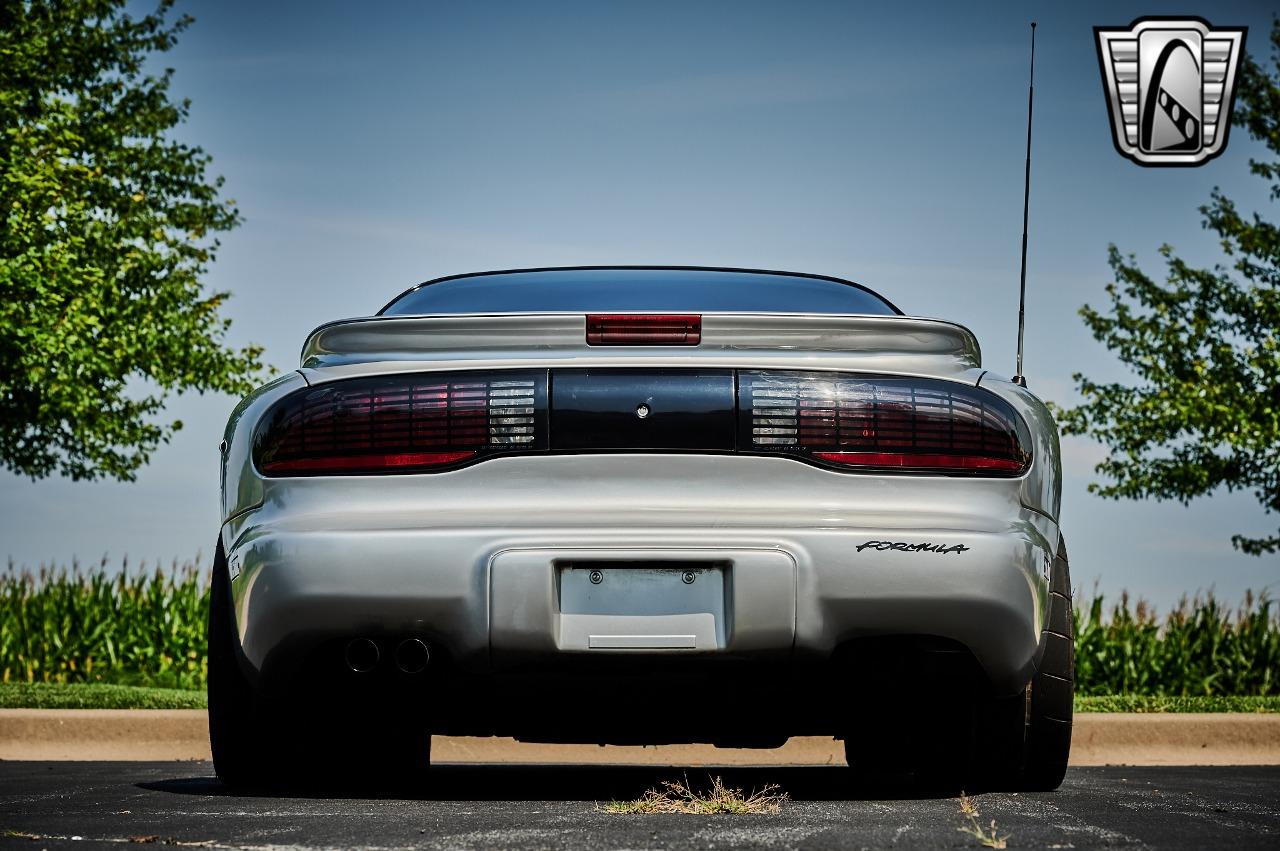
929,346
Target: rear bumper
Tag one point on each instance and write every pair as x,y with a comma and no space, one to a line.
843,559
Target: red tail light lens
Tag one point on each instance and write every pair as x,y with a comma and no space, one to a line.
649,329
425,422
897,424
403,423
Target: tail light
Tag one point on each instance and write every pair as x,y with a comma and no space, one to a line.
422,422
893,424
403,423
643,329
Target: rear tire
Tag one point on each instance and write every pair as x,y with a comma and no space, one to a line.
252,748
382,754
235,728
917,753
1018,742
1052,690
1000,742
918,734
337,752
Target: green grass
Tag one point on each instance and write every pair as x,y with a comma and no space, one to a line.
1156,703
96,696
107,696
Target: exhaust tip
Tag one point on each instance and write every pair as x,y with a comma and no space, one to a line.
412,656
362,655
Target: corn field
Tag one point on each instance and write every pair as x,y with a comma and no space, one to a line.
146,627
131,627
1199,648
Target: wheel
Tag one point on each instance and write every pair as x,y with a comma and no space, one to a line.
876,754
915,752
1052,690
919,731
235,727
379,753
944,736
252,747
1023,740
1000,737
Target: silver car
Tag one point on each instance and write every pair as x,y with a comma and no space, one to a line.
642,505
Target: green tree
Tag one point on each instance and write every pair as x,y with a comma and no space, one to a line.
1205,347
108,228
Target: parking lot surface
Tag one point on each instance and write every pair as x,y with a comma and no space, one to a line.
99,804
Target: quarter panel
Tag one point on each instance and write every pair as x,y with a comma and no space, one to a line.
1042,486
241,485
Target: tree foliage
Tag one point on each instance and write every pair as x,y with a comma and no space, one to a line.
1205,347
109,224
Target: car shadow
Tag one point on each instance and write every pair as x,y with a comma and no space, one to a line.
538,782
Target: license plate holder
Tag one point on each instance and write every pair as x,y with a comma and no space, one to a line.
641,606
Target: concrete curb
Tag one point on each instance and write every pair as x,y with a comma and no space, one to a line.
177,734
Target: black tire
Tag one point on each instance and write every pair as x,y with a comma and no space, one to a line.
1052,690
878,753
1000,737
915,753
379,754
235,726
1023,740
256,748
946,738
917,735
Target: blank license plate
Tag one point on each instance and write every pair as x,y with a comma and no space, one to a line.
607,606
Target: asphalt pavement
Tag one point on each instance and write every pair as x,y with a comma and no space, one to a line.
104,804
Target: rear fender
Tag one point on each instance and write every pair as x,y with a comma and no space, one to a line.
1042,485
241,486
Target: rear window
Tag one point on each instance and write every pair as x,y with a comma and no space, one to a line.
650,290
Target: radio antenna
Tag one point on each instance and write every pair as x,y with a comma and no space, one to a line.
1018,377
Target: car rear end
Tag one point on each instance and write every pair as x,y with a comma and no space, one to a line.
639,526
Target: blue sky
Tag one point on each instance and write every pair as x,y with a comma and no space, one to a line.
372,146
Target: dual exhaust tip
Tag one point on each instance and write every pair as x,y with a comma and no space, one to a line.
411,655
